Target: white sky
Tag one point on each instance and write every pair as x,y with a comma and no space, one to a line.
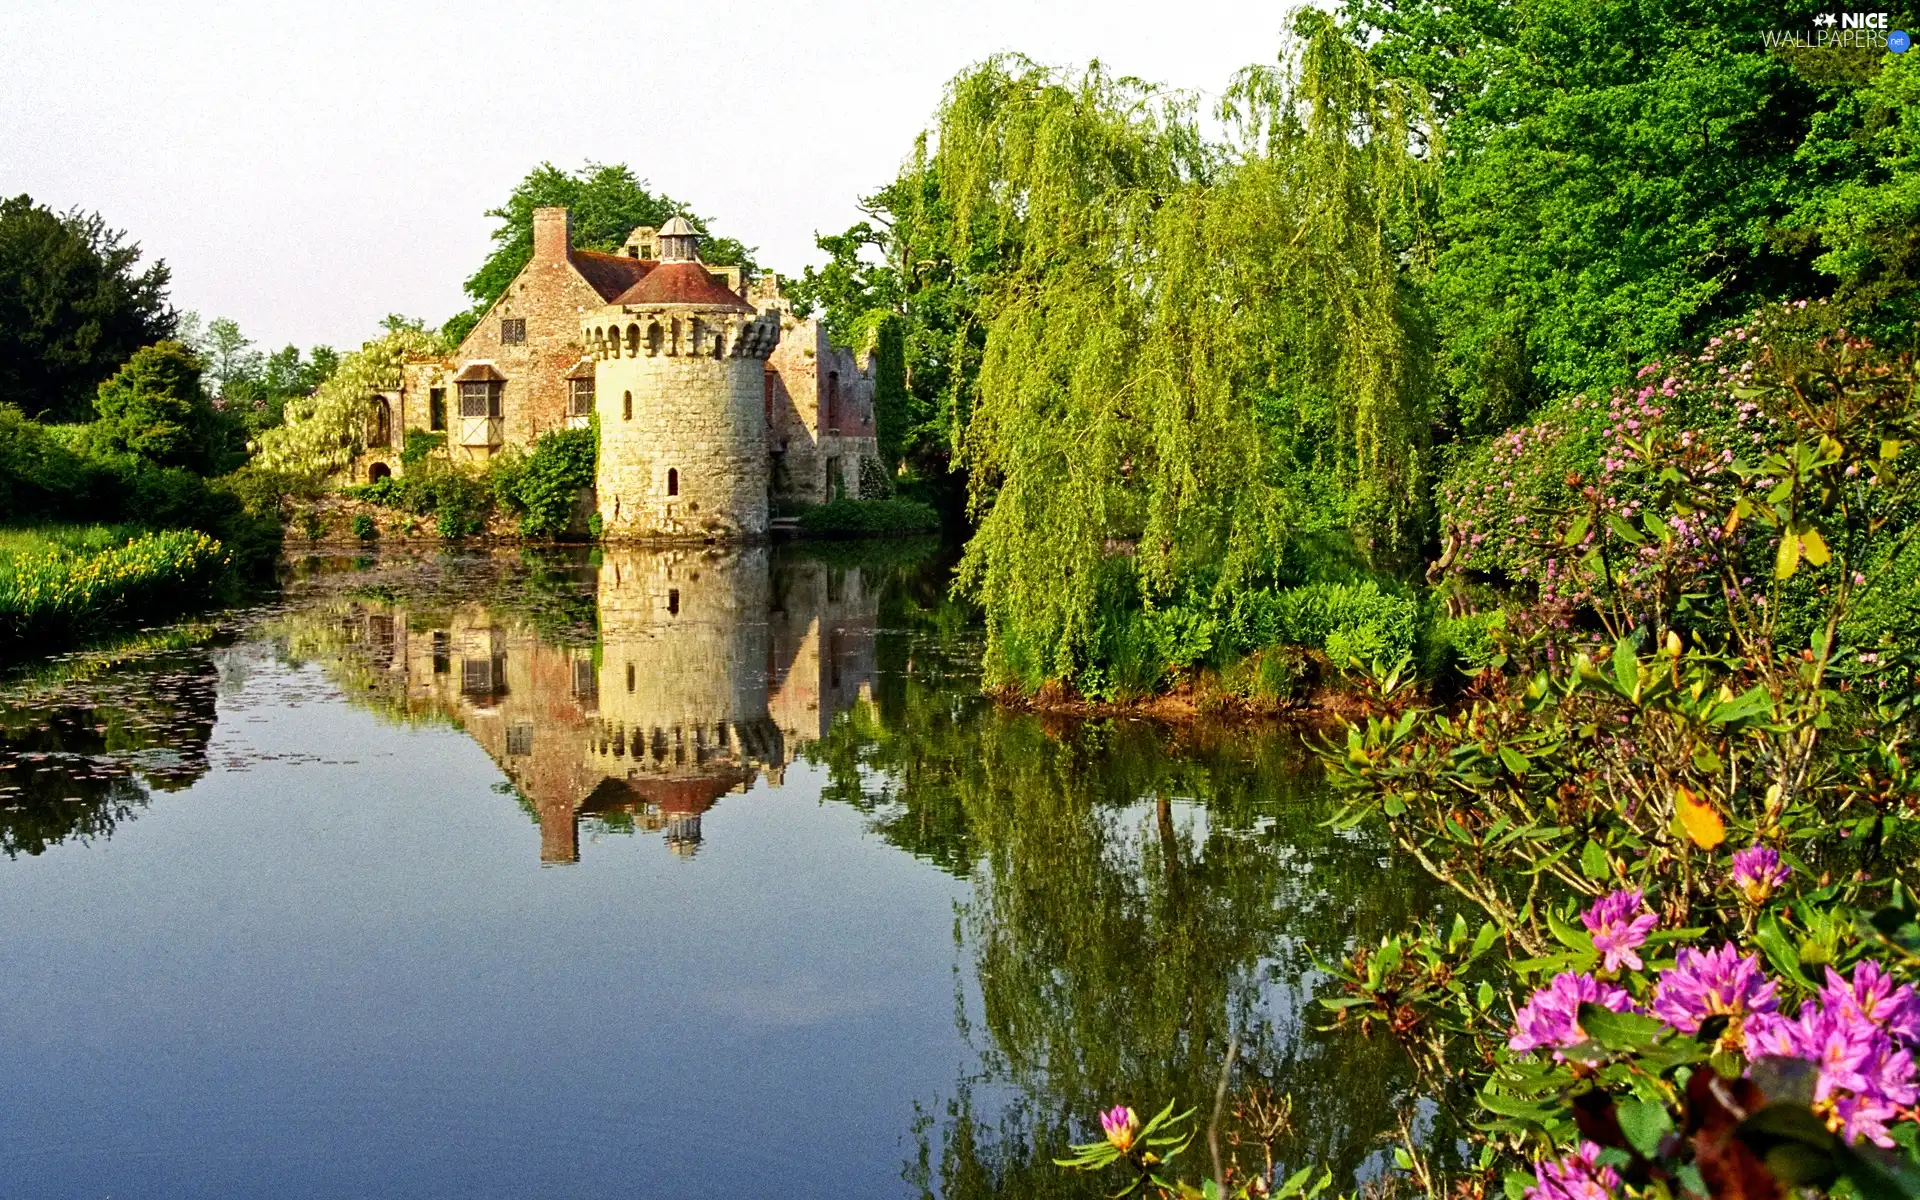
306,169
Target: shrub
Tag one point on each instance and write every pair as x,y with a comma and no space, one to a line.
1347,620
363,527
876,482
156,408
868,518
420,446
545,487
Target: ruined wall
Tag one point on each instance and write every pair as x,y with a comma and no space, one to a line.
822,412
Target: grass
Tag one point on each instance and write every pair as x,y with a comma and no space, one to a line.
62,582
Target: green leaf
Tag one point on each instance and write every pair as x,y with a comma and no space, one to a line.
1576,531
1778,948
1593,861
1646,1123
1484,998
1787,559
1568,936
1751,703
1516,761
1626,669
1619,1031
1516,1184
1624,531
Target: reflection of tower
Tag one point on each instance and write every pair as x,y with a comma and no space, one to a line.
682,685
822,624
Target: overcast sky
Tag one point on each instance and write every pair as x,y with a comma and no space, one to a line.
307,169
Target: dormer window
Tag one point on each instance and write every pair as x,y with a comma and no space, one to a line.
513,331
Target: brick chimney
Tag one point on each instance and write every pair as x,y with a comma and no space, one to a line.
552,234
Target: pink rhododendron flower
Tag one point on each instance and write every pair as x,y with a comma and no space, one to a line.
1757,871
1711,983
1577,1176
1120,1124
1619,924
1551,1016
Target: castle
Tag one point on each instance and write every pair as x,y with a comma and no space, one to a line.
714,402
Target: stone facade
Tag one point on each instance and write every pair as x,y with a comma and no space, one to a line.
715,403
715,668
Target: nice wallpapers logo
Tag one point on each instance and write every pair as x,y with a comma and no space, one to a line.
1864,30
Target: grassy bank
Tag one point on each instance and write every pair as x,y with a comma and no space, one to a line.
61,583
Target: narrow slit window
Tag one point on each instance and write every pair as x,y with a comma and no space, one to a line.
673,481
673,602
436,409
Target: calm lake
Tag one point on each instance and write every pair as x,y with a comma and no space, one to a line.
680,874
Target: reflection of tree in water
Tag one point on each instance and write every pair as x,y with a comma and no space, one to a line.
78,759
1140,897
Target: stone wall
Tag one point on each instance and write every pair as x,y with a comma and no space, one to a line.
683,451
822,413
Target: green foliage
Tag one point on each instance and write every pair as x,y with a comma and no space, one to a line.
1202,350
420,446
868,518
323,432
606,203
1671,700
545,489
1622,177
73,307
55,592
457,499
154,407
876,483
254,387
363,527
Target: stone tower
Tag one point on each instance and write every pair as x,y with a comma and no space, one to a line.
679,387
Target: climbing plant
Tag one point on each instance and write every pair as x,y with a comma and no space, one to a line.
325,430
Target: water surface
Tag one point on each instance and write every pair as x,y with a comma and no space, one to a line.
636,874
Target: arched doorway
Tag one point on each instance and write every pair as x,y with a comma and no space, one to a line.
379,471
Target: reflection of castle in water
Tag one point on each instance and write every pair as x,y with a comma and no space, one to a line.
713,668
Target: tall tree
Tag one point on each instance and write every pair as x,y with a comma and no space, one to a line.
1201,350
1621,176
73,307
606,202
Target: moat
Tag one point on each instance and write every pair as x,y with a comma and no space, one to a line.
638,873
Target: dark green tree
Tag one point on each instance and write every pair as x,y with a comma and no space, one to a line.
156,408
1622,176
606,202
73,305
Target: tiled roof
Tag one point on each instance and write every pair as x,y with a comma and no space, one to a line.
683,283
475,372
581,370
610,274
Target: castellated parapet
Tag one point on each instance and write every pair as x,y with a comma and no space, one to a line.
679,387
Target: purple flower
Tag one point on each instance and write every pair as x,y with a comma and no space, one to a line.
1757,871
1551,1016
1873,998
1711,983
1120,1124
1619,927
1852,1033
1577,1176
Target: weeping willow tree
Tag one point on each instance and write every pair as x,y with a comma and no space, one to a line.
1198,349
326,430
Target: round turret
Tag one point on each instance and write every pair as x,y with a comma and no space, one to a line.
679,386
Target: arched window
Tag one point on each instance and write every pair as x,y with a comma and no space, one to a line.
833,399
629,677
382,434
379,471
633,340
673,481
655,337
626,406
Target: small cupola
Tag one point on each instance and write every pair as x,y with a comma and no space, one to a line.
679,242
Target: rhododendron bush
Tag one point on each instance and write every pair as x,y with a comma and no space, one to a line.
1683,803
